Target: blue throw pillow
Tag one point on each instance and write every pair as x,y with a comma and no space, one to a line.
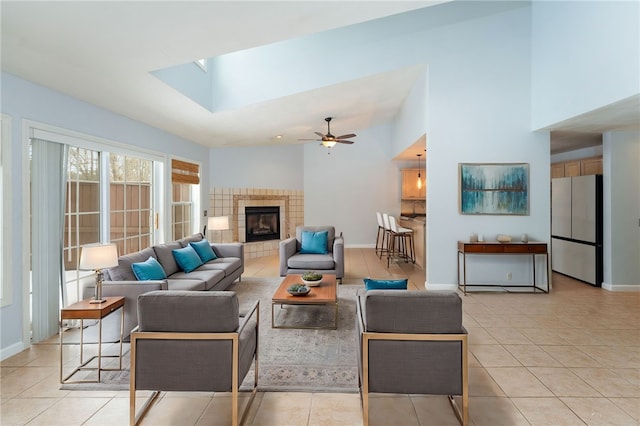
187,258
314,242
385,284
150,269
204,250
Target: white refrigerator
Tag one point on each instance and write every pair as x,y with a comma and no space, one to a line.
576,227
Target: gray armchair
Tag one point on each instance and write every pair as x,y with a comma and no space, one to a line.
412,342
294,262
192,341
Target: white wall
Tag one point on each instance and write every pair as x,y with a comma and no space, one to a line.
586,55
411,121
24,100
479,111
621,181
348,187
268,167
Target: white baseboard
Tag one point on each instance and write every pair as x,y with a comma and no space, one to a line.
359,246
11,350
441,287
621,287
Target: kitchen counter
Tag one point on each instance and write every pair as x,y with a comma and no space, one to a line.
421,218
418,224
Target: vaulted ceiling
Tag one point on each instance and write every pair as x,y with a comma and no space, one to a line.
105,53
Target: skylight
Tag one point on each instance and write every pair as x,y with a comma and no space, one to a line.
202,63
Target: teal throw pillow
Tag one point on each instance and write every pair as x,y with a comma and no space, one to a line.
314,242
204,250
150,269
385,284
187,258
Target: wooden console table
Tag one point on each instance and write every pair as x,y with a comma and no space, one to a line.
532,249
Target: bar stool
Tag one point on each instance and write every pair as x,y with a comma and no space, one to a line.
380,237
405,238
386,235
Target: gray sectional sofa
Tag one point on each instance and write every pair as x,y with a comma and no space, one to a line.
216,275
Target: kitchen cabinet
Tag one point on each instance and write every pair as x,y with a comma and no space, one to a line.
557,170
583,167
591,166
572,168
410,189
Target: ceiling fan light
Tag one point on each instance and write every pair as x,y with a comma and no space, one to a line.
328,144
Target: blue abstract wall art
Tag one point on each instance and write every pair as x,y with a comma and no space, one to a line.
496,189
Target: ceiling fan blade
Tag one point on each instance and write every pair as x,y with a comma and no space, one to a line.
341,141
319,134
350,135
314,139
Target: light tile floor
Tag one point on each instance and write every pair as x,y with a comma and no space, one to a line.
571,357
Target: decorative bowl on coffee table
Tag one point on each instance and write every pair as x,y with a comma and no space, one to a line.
312,279
298,290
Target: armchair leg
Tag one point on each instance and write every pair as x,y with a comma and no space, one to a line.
134,418
462,415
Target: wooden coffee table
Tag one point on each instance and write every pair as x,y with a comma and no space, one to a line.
324,294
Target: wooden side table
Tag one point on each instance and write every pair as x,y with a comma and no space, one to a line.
95,311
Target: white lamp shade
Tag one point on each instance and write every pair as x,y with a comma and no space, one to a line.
218,223
98,256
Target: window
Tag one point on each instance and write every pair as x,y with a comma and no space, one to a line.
5,211
82,216
130,199
185,185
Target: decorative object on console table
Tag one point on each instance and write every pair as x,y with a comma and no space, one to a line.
496,189
98,257
219,223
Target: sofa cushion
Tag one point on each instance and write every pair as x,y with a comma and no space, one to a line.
371,284
123,271
188,285
204,250
311,261
209,277
227,265
164,254
314,242
187,258
150,269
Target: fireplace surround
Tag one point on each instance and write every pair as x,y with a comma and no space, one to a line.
233,201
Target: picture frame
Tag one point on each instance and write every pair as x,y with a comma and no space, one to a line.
494,188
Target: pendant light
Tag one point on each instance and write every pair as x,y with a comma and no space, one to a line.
419,183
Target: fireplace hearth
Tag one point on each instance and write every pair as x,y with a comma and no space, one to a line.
262,223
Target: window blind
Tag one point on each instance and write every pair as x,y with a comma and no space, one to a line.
185,172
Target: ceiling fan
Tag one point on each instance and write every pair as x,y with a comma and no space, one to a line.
329,140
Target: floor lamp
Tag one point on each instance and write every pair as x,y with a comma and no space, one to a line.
218,223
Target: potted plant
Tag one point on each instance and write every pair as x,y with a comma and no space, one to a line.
312,278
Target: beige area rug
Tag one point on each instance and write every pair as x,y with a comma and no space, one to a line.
308,360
